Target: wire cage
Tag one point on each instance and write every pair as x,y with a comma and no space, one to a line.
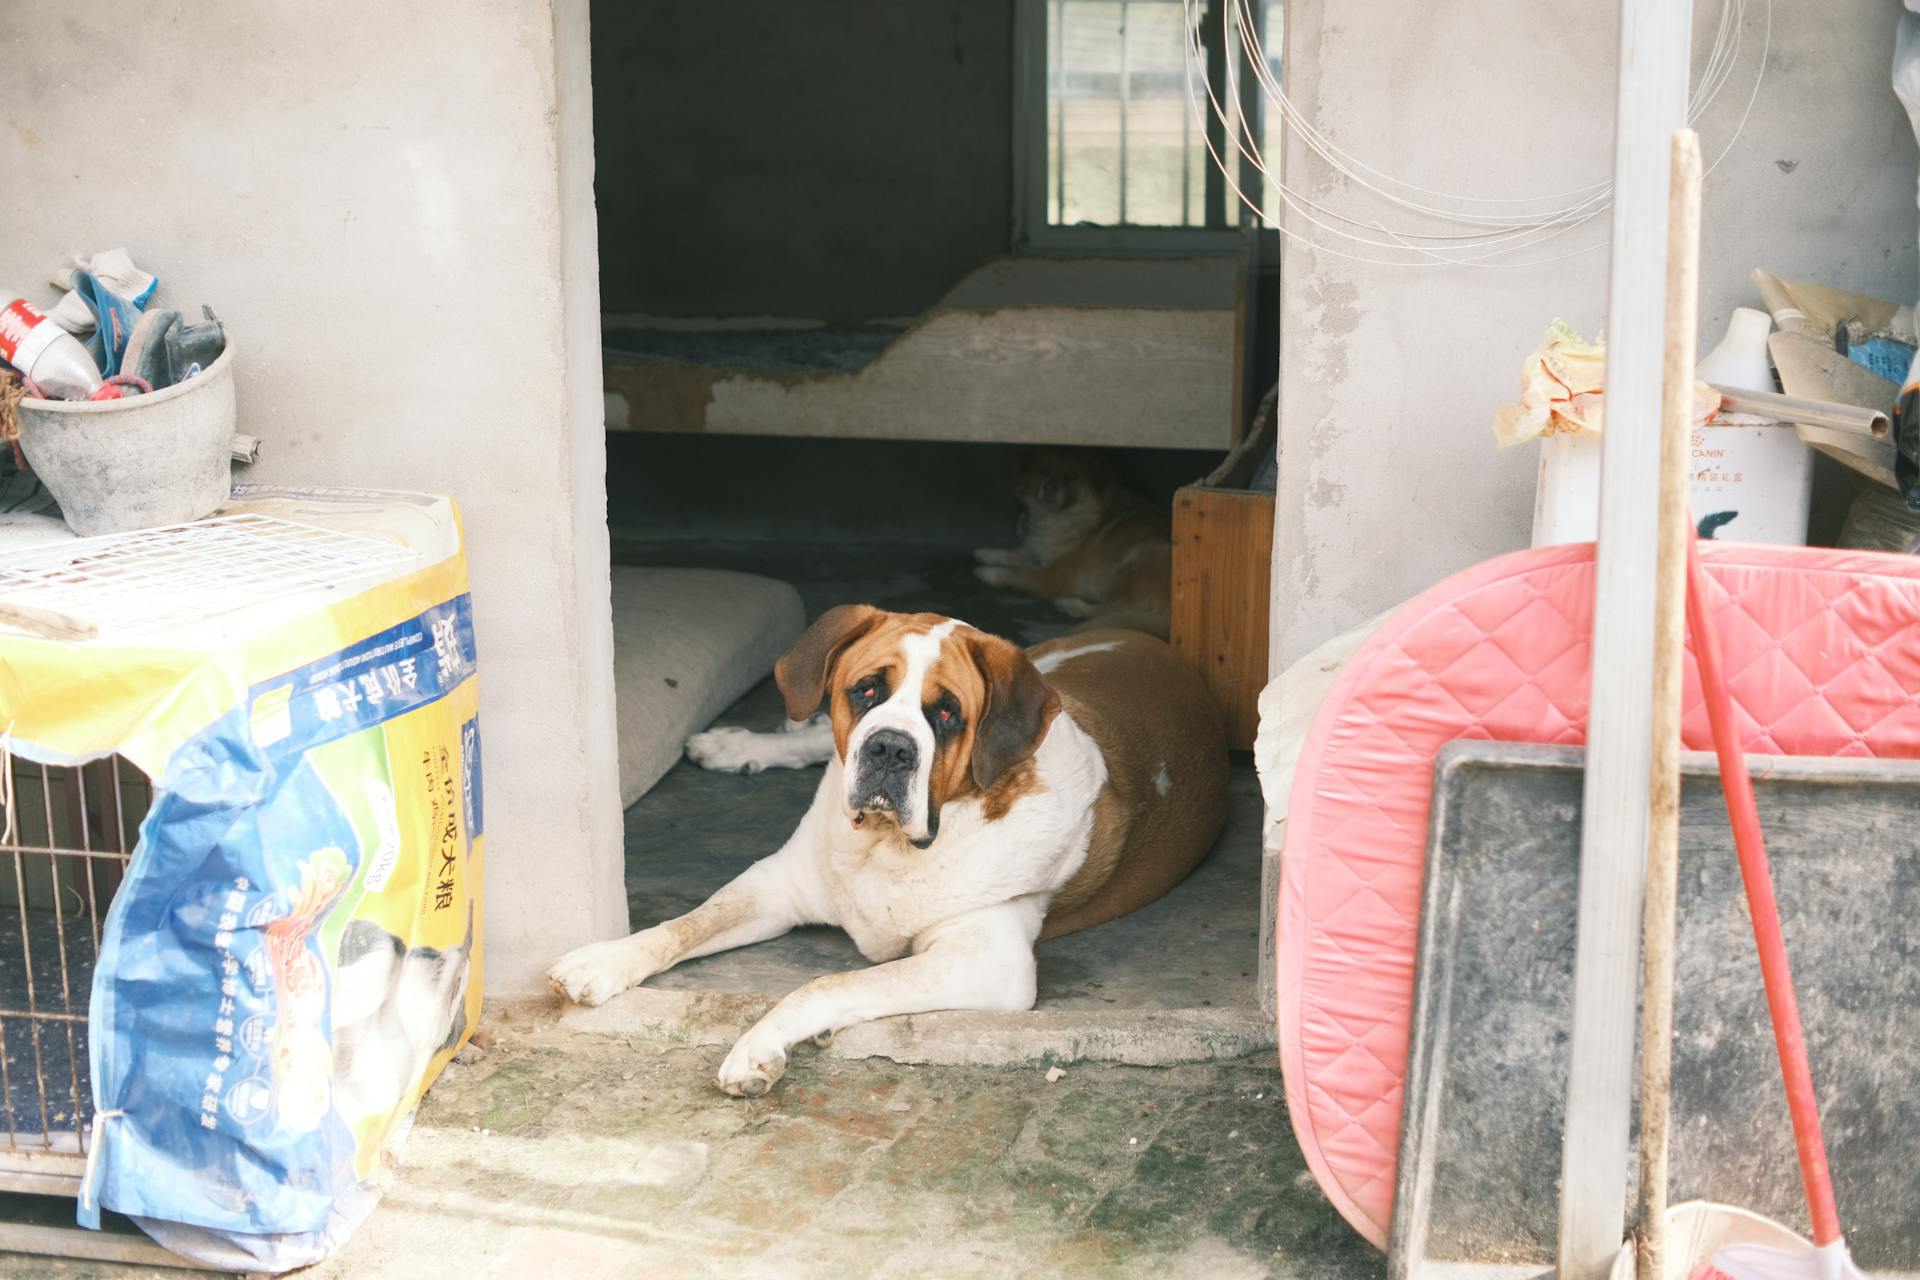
65,844
67,833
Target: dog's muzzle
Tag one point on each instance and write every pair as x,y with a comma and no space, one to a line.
882,777
887,760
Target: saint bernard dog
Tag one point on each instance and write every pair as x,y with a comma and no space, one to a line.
977,799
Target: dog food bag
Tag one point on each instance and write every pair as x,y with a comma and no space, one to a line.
294,953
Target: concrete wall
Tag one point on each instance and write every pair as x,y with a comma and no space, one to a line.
766,157
395,218
1389,479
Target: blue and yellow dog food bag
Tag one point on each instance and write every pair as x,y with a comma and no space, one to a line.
295,952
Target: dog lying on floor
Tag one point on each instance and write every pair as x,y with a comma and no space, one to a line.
977,799
1096,550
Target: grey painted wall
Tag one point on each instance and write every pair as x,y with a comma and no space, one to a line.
767,157
396,220
1389,479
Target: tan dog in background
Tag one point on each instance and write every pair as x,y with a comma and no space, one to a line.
1096,550
977,798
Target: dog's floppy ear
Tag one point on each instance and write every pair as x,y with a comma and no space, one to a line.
1020,706
802,671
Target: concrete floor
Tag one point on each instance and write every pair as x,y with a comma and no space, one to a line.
591,1142
1194,948
585,1157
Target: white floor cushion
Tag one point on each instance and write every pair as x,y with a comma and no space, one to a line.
686,644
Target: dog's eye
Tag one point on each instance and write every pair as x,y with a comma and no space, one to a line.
868,693
946,715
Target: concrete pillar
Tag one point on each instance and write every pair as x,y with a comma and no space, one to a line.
395,217
1389,376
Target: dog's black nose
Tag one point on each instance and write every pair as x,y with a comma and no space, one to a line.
891,750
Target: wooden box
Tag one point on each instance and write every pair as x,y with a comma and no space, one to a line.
1222,554
1222,557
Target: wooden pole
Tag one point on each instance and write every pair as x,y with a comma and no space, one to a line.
1651,103
1669,668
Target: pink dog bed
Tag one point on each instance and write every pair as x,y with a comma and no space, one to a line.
1823,655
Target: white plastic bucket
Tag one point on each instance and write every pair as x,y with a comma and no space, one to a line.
1751,481
1566,499
1699,1227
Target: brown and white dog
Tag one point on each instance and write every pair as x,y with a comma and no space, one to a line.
976,799
1095,549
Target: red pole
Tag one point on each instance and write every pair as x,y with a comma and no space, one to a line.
1754,871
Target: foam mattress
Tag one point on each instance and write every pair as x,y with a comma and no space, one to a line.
1823,656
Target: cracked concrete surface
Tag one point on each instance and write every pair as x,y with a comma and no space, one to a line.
578,1156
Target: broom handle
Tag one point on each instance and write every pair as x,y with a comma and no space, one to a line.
1754,871
1669,666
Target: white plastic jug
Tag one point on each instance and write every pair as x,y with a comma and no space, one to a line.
1741,358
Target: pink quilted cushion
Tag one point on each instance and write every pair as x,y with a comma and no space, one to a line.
1823,655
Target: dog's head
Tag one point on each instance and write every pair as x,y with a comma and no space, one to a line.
925,710
1053,480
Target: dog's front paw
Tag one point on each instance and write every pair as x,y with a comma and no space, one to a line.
996,575
598,972
752,1067
996,556
725,751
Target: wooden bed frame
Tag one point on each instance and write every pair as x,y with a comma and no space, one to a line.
1149,353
